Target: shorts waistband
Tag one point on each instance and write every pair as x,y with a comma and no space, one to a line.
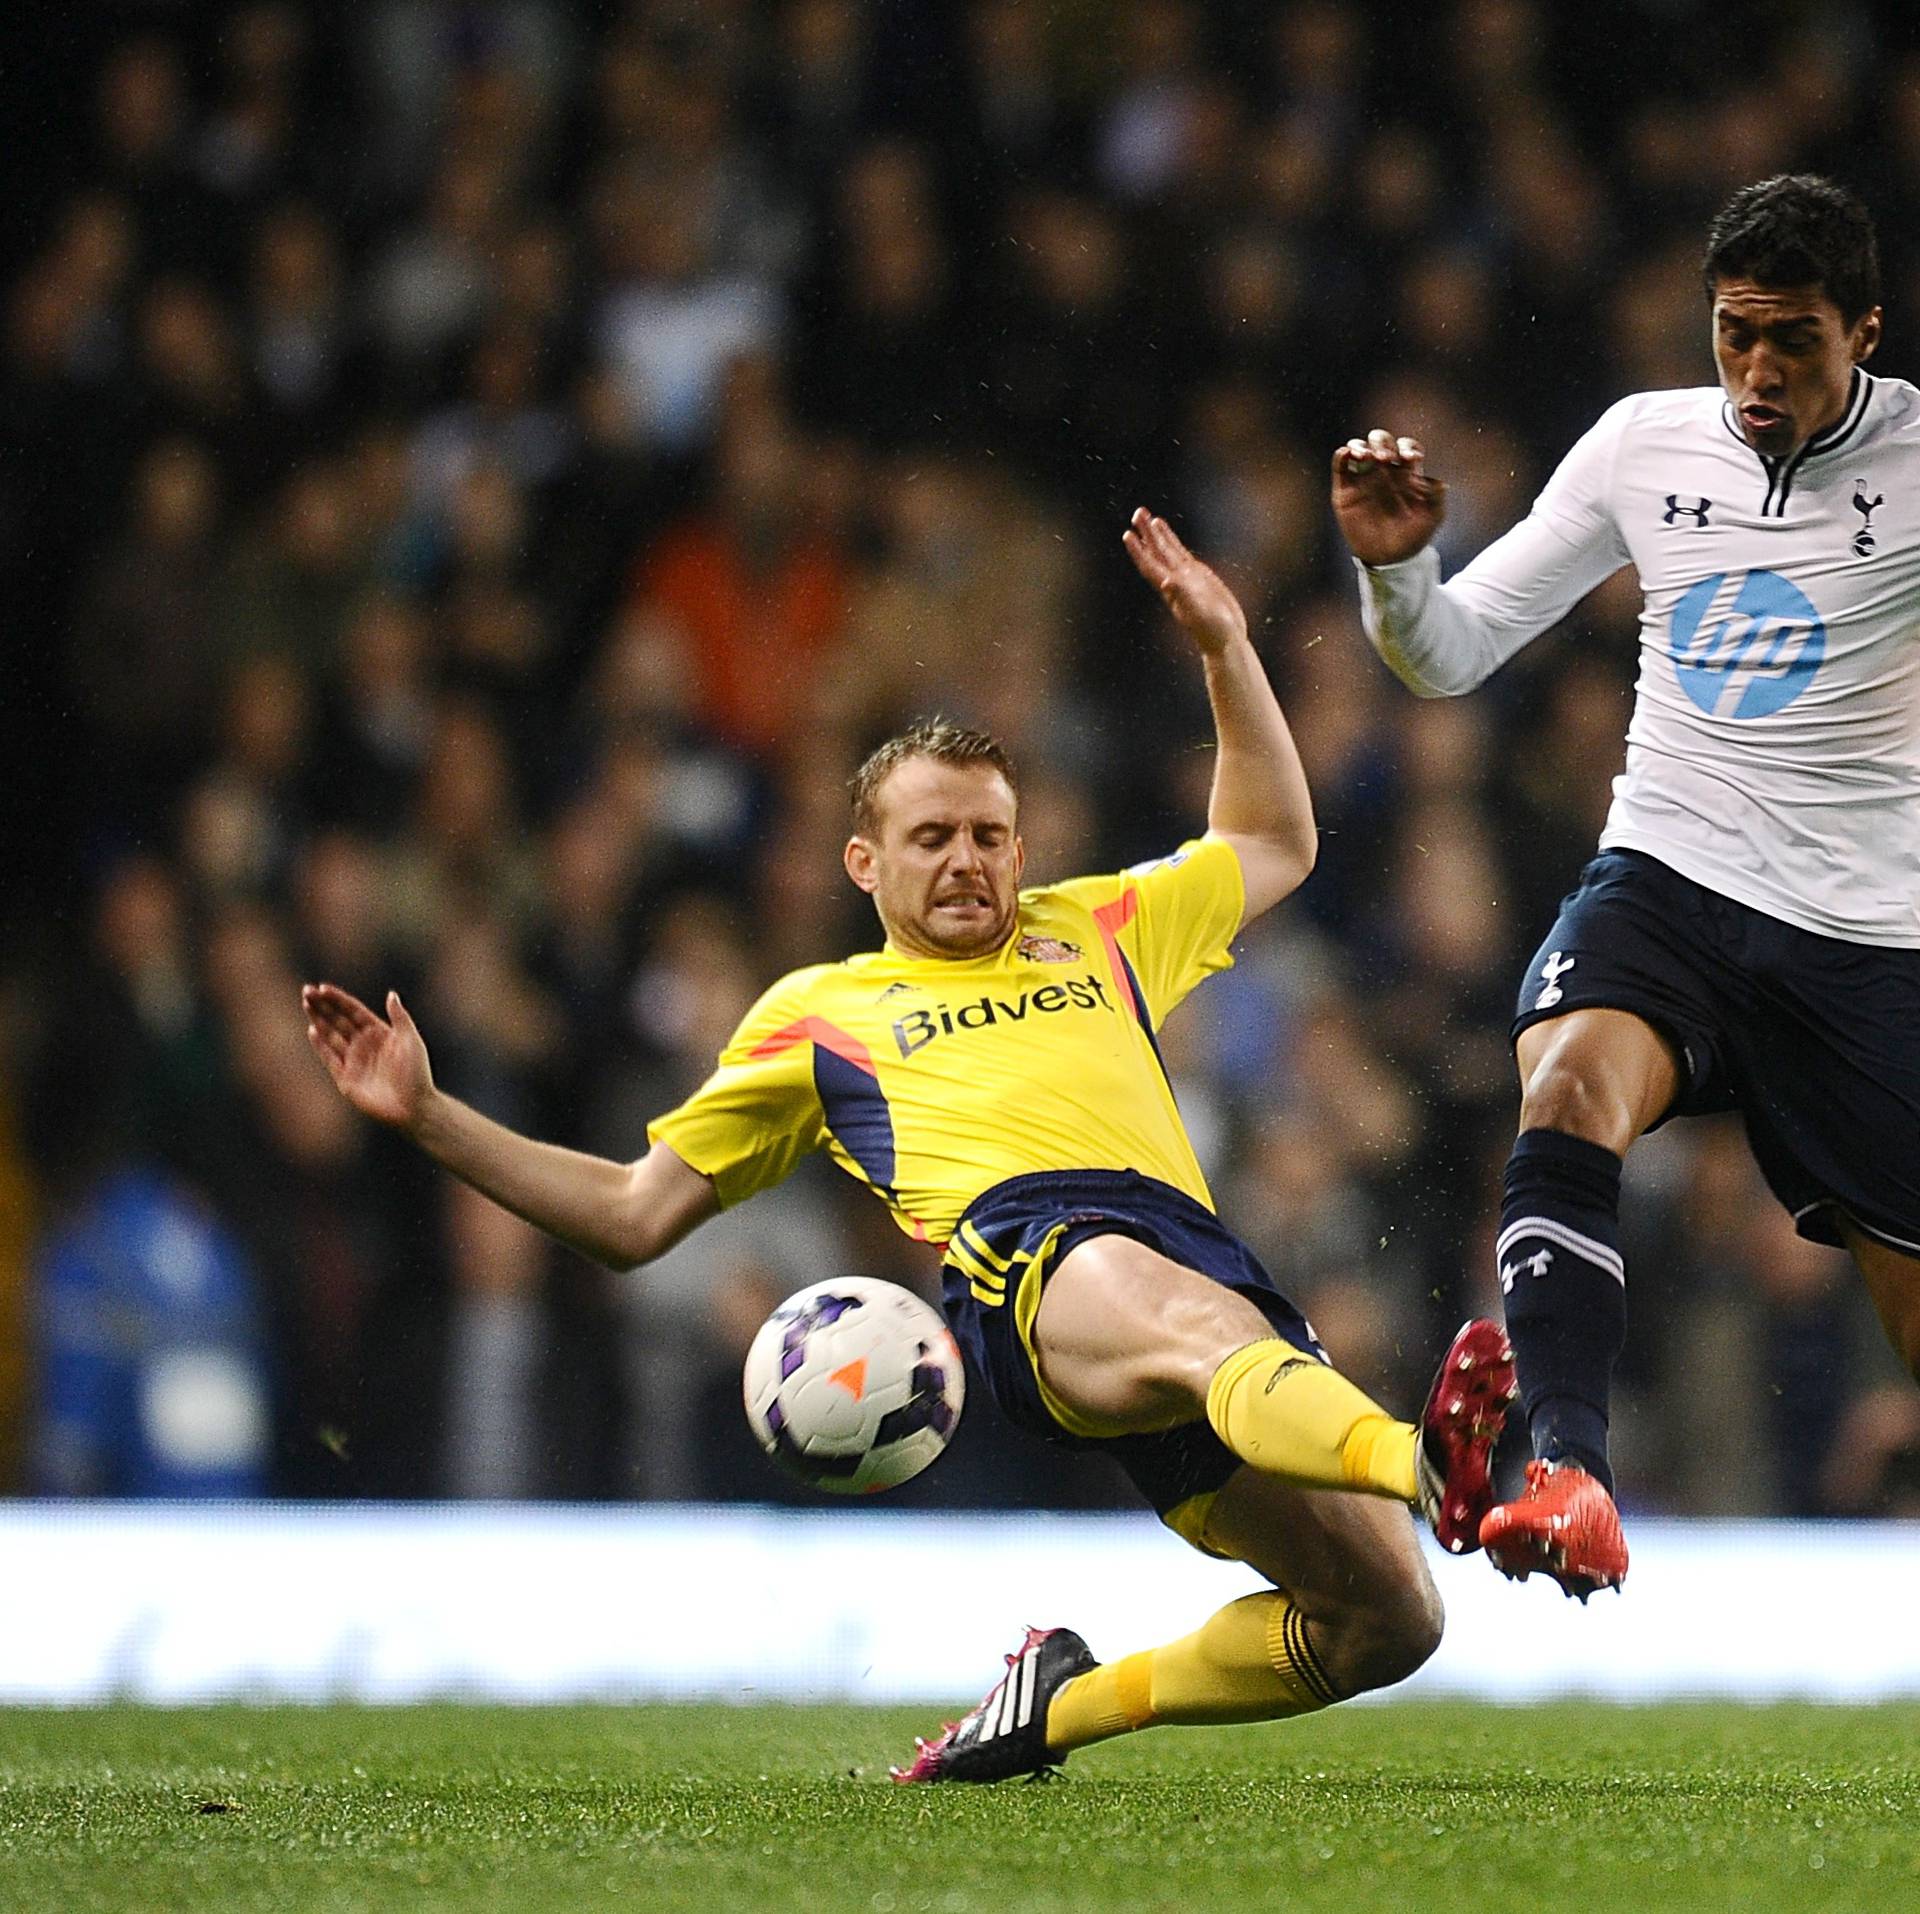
1066,1190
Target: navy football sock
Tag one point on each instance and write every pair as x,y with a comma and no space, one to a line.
1565,1285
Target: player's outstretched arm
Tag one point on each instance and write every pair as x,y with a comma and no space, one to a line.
1386,506
1440,639
1260,802
620,1214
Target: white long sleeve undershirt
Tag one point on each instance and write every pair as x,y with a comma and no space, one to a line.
1443,639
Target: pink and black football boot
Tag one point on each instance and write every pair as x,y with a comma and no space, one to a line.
1006,1735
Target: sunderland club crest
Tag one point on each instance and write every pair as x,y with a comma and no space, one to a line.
1049,950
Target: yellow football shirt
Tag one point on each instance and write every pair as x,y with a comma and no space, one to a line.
933,1079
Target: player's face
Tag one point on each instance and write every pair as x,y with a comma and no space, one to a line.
1786,360
943,868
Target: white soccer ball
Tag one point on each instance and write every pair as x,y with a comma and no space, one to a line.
854,1386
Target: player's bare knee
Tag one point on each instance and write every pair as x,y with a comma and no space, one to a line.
1565,1093
1383,1641
1410,1631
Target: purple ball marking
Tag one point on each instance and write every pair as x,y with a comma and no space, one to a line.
822,1309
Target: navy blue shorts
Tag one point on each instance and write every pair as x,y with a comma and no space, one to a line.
1814,1040
998,1262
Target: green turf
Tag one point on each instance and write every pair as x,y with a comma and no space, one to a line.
1415,1807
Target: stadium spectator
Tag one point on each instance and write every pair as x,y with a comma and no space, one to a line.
141,662
147,1346
758,594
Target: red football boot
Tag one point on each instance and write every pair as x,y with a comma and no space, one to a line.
1466,1410
1565,1524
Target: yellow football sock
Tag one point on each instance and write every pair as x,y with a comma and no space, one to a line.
1286,1412
1253,1661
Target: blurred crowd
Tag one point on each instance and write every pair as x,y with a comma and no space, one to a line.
479,475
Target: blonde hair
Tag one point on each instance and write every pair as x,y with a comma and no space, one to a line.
936,738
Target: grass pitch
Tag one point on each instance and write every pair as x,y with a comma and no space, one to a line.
1412,1807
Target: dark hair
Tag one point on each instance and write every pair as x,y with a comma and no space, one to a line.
1797,229
932,738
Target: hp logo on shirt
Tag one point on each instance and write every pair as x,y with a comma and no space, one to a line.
1746,644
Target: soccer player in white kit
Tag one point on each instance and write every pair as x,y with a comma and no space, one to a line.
1749,935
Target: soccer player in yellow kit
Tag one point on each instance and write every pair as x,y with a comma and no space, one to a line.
992,1075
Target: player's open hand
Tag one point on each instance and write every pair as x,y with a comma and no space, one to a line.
1194,592
1386,505
380,1067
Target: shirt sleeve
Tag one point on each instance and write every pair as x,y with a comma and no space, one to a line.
751,1122
1443,639
1169,922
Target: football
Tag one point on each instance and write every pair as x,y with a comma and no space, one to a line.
854,1386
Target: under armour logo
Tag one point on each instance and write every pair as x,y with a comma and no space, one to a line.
1535,1265
1698,513
1551,972
1863,539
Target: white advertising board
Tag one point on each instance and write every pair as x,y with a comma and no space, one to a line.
267,1603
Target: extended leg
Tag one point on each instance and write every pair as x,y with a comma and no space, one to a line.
1592,1081
1129,1342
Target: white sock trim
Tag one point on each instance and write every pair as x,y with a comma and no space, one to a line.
1587,1247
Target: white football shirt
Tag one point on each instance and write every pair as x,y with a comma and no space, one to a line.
1774,749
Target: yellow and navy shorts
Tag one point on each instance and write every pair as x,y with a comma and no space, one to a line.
997,1265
